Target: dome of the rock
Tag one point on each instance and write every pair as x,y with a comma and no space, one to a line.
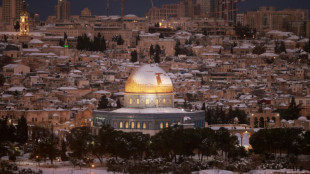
149,79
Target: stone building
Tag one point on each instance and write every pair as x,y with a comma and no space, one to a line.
148,105
186,8
267,18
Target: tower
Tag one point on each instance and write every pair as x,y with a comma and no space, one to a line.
11,10
62,10
24,21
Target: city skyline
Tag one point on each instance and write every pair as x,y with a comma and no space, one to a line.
191,87
98,7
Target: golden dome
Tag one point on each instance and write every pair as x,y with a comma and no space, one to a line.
149,79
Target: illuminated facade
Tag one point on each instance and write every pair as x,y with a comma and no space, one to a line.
148,104
148,87
24,21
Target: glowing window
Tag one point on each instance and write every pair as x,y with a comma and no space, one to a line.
138,101
126,125
132,125
164,101
147,101
120,124
161,125
156,101
130,101
138,125
144,125
167,124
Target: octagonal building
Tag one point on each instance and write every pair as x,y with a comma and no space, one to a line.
148,104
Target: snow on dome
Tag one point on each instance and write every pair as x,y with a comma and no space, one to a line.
302,118
149,78
149,110
36,41
29,94
283,121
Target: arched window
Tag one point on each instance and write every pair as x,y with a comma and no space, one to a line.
144,125
161,125
126,125
138,125
132,125
164,101
120,124
138,101
156,101
130,101
147,101
167,124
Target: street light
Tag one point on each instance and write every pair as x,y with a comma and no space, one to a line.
91,166
37,159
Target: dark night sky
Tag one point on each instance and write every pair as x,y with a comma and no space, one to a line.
140,7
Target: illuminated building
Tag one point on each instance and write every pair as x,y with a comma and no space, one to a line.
149,105
24,21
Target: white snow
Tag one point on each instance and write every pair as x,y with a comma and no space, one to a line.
215,171
147,75
149,110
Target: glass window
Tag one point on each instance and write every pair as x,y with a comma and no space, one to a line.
130,101
138,101
120,124
156,101
138,125
167,124
132,125
164,101
161,125
144,125
126,125
147,101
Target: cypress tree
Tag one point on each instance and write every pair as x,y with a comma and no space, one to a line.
103,103
22,131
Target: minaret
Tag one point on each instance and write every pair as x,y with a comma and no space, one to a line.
24,21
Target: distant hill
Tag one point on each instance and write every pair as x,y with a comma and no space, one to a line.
140,7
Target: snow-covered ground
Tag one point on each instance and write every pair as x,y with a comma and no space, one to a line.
281,171
72,171
215,171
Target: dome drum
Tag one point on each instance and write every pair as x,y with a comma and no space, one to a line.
148,100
